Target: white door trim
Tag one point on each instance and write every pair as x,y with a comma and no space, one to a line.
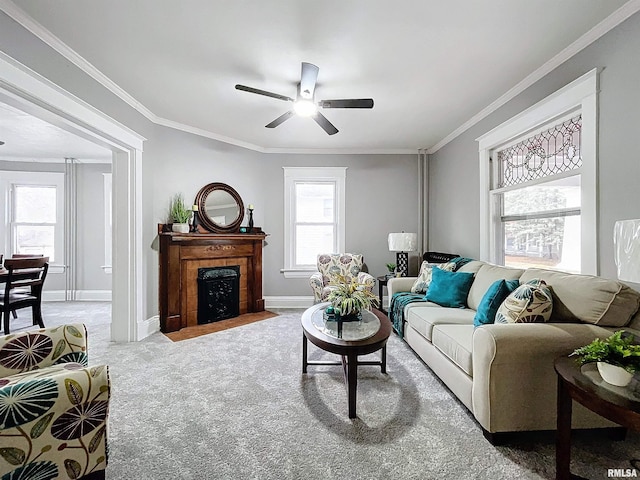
28,91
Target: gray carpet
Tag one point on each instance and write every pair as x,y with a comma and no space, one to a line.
235,405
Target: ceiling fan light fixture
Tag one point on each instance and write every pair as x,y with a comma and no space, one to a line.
305,108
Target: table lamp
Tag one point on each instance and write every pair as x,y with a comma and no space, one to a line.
403,243
626,240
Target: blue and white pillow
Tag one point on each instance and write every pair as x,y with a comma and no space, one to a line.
421,285
531,302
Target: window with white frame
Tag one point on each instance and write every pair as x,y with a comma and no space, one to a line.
537,195
314,216
538,176
35,217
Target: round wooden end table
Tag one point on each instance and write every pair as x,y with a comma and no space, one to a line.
585,386
349,340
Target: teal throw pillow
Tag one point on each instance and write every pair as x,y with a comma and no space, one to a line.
491,301
449,289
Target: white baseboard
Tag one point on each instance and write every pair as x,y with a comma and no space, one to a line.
93,295
288,302
148,327
78,295
53,296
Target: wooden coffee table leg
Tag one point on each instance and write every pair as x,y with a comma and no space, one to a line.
352,379
563,435
304,353
383,360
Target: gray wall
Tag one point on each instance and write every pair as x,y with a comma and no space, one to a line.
453,212
91,227
382,190
90,223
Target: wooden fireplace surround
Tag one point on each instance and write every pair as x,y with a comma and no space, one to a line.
182,254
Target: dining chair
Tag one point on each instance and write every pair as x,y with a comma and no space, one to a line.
22,290
24,273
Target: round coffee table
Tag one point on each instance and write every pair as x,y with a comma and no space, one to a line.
585,386
347,339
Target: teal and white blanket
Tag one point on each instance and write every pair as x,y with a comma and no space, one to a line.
402,299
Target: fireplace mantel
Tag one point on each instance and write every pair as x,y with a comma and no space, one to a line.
181,254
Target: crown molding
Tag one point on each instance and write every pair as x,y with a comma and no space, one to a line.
10,158
20,16
608,24
76,59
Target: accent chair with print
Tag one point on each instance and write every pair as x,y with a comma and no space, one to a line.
53,406
347,264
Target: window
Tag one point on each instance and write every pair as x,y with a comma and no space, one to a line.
35,215
314,216
537,190
538,184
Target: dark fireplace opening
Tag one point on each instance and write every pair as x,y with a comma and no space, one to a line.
218,293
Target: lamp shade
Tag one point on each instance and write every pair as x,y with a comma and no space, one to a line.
626,240
403,242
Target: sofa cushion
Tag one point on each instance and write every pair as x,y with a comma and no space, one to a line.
471,267
456,343
449,289
485,277
589,299
496,294
529,303
422,317
424,277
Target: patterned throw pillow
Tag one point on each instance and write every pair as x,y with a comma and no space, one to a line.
424,277
530,302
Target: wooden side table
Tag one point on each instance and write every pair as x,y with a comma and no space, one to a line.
382,282
584,385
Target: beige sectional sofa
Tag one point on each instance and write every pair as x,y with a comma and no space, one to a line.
503,373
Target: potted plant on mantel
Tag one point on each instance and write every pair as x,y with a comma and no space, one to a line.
617,357
179,214
350,297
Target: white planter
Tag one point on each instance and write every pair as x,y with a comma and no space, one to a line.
614,375
180,227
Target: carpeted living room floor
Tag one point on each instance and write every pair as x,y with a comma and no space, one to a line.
234,405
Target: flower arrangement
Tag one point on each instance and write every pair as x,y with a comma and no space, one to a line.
615,350
349,297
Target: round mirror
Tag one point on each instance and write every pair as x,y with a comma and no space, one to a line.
220,208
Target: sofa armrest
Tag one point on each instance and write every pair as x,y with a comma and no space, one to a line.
41,348
400,284
514,382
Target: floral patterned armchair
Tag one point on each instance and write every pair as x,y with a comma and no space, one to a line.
329,264
53,407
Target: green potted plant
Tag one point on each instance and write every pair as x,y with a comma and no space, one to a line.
392,268
179,214
350,297
617,357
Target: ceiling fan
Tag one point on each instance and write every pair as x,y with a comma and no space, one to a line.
304,103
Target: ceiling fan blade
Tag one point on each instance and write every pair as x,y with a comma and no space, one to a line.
280,119
326,125
347,103
308,79
244,88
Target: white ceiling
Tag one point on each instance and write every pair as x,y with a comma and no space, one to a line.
430,65
30,139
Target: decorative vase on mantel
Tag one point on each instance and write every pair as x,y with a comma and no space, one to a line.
614,374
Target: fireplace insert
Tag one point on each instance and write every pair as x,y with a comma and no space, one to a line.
218,293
